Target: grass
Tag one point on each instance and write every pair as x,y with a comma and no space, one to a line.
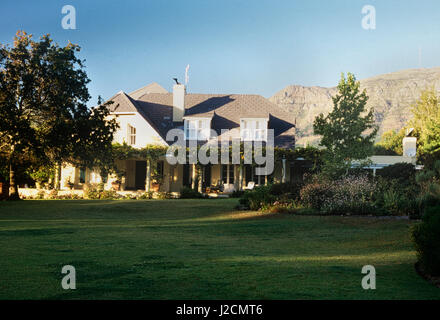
199,249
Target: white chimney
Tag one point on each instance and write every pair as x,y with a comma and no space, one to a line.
179,92
409,146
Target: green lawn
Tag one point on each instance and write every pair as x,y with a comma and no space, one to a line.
199,249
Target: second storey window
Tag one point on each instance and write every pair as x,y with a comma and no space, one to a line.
253,129
131,135
197,129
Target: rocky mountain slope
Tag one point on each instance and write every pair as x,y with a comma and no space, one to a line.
391,96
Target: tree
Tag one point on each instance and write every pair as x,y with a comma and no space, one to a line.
426,124
390,143
43,107
348,131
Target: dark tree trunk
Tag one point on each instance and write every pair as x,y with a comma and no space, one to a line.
13,189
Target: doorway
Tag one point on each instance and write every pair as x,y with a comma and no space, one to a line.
140,175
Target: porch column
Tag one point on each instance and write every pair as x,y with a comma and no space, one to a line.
200,181
194,175
240,177
236,177
283,179
148,176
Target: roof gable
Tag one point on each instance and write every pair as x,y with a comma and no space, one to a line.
151,88
122,103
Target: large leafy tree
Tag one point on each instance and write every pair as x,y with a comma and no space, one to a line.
348,131
426,124
43,111
390,143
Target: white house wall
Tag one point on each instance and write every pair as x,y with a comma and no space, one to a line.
145,134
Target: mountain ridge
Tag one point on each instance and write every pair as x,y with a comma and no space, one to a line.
391,95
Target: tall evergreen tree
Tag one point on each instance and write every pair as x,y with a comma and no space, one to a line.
348,131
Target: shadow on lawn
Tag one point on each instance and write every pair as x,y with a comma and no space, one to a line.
37,232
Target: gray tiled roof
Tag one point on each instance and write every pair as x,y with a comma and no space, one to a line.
225,110
122,103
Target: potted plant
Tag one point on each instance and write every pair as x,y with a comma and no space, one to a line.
116,185
41,175
156,180
70,184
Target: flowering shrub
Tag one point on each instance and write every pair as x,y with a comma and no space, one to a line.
349,195
315,194
95,191
52,195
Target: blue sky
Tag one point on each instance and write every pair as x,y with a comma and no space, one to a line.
233,46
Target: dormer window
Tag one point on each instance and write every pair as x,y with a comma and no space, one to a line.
131,135
197,128
253,129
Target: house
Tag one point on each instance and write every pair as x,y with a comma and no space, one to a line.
409,146
147,114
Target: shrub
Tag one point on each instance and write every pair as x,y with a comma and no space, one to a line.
90,191
145,195
290,188
257,198
69,196
188,193
237,194
351,195
40,195
396,198
163,195
314,194
107,195
426,237
95,191
282,206
403,172
392,201
53,194
348,195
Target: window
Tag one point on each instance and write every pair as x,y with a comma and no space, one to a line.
225,173
251,175
253,129
159,168
131,135
82,175
231,173
197,129
228,173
